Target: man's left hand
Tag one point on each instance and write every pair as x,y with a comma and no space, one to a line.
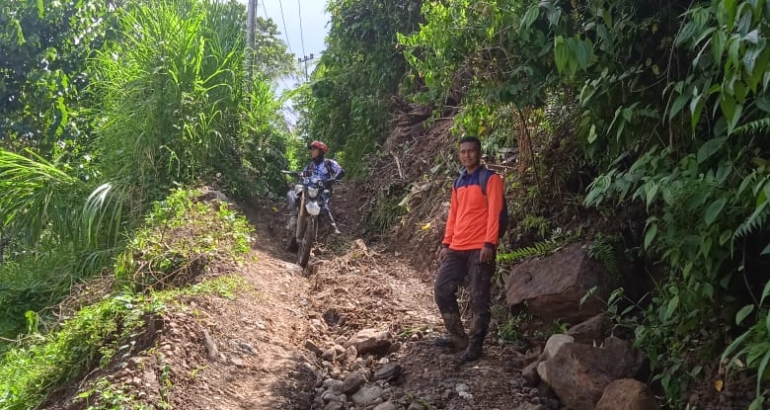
487,255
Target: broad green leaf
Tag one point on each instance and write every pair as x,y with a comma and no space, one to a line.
668,194
696,108
652,190
710,148
554,13
729,109
725,237
750,58
671,308
734,345
718,41
713,211
583,53
40,9
561,53
650,235
765,293
741,315
763,104
679,103
766,251
687,269
529,17
761,372
705,247
730,10
685,34
592,134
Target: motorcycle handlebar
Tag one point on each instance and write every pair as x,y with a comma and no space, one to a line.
307,174
297,173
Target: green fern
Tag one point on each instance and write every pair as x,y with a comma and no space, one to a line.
756,126
538,249
602,250
757,220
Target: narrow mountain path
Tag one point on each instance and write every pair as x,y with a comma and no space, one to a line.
303,324
352,331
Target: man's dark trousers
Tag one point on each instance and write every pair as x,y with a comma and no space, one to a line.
455,266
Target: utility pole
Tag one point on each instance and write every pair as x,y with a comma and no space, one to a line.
305,59
251,39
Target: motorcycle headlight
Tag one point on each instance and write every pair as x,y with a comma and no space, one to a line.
312,192
313,208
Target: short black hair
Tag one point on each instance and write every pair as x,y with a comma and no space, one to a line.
474,140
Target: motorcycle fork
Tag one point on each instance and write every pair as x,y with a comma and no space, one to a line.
301,216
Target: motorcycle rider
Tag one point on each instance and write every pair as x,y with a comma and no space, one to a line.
326,169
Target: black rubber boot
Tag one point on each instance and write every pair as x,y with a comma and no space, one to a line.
455,338
472,352
476,346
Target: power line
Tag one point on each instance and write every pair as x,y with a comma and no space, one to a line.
301,31
264,10
252,20
283,19
305,58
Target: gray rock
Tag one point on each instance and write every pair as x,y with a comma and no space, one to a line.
531,377
333,385
352,383
579,373
335,405
627,394
333,353
555,343
590,330
462,387
388,372
366,395
554,287
311,346
370,341
530,406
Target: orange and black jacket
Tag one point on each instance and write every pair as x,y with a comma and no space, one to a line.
474,218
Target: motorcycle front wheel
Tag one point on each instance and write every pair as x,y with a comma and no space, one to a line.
306,244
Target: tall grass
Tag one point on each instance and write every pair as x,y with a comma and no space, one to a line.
172,93
172,108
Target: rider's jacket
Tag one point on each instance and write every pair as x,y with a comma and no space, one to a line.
325,169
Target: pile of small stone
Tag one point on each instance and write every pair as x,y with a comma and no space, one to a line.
358,372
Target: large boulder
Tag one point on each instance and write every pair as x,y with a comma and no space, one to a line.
553,287
627,394
591,330
579,373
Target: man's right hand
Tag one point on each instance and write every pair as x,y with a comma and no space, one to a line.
444,251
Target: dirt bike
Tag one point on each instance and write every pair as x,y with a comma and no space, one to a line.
306,201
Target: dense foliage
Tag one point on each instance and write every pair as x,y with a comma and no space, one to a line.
348,102
107,107
663,103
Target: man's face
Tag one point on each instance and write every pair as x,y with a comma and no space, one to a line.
469,154
314,152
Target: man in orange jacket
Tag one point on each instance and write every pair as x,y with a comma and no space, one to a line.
470,244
